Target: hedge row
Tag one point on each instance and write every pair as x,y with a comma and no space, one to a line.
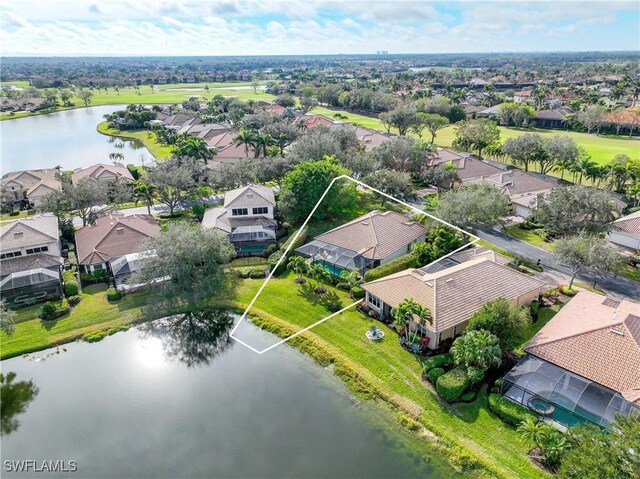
71,288
394,266
453,384
434,374
510,412
273,259
253,273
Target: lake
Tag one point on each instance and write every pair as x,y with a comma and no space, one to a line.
154,402
67,138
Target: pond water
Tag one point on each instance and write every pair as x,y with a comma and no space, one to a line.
160,401
67,138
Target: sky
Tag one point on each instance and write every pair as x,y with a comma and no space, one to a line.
285,27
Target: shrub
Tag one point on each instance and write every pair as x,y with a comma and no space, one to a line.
273,261
552,295
298,242
434,374
334,307
74,300
71,258
357,292
395,265
566,290
439,361
47,309
113,294
510,412
134,170
245,272
468,396
50,310
272,248
257,273
343,286
70,288
534,308
453,384
198,211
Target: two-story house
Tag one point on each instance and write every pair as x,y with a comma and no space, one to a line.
30,259
246,218
102,172
32,185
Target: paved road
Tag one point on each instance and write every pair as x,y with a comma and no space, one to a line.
612,284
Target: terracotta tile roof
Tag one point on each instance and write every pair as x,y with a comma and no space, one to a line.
100,171
629,223
455,293
250,195
112,236
479,252
235,150
596,338
375,235
29,232
317,120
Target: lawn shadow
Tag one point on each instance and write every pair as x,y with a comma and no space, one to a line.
329,299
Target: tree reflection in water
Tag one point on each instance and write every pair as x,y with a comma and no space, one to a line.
14,399
193,338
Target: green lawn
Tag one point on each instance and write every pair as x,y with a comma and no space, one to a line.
159,150
528,236
395,373
94,313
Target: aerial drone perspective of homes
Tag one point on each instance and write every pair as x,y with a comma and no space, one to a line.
347,265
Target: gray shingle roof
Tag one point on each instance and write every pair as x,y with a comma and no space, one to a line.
29,232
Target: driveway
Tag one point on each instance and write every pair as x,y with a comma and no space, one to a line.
616,285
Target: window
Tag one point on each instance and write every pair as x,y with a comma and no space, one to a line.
239,212
374,300
12,254
39,249
261,210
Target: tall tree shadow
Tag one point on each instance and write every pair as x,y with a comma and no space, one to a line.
192,338
14,399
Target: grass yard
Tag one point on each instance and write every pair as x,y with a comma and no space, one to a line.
396,375
159,150
22,214
544,316
93,314
528,236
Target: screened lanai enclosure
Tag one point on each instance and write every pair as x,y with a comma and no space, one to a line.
334,258
23,286
562,397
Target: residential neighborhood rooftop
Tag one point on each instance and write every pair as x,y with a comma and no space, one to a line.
629,223
247,196
597,338
102,171
375,235
29,231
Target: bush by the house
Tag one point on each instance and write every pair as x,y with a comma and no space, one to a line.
395,265
71,258
245,272
136,171
438,361
534,308
96,276
257,273
50,310
434,374
510,412
343,286
299,241
468,396
357,292
74,300
113,294
272,248
334,307
566,290
273,261
70,288
453,384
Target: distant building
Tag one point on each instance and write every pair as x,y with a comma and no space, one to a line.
626,231
102,172
31,185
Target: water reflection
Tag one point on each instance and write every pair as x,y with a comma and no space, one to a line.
14,399
193,339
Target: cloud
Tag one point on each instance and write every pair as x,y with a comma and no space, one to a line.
93,8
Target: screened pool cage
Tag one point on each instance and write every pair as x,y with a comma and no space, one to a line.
333,258
252,233
31,284
562,397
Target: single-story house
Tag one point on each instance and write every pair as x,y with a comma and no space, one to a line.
110,237
30,259
491,112
366,242
368,138
626,231
583,365
31,185
102,172
554,118
523,189
247,218
469,168
453,294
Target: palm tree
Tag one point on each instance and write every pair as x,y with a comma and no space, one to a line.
145,193
116,158
351,277
479,349
282,140
193,147
406,311
262,141
532,430
246,138
317,272
298,265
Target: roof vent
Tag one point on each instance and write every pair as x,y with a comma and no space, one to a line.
449,280
18,234
611,303
617,331
120,230
365,223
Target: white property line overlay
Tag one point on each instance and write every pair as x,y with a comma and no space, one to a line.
295,237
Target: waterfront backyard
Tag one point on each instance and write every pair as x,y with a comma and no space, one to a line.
469,434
